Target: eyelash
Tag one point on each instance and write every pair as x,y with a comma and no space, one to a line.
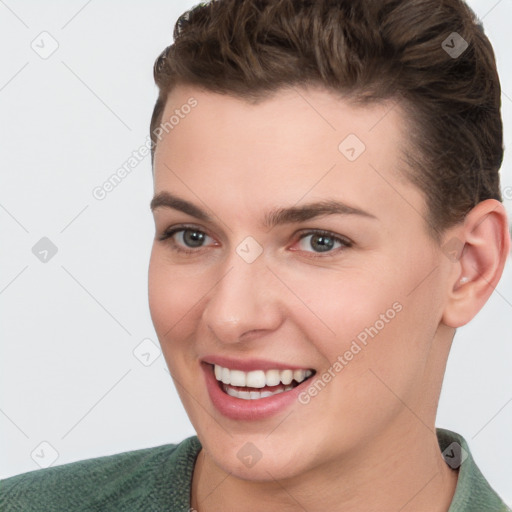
169,233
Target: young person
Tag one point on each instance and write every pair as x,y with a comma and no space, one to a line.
327,212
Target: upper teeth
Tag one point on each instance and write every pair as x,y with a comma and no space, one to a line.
259,378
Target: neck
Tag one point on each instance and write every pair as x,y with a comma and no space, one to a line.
403,470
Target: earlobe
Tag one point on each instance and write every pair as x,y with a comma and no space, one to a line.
484,242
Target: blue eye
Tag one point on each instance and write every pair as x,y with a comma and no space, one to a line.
188,239
322,242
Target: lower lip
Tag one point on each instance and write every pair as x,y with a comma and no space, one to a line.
240,409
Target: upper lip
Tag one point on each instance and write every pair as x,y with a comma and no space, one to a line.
248,365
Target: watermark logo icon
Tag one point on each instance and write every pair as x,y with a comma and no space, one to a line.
454,45
249,249
454,455
453,249
45,45
351,147
44,454
249,455
147,352
44,250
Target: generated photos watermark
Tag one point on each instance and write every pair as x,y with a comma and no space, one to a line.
358,343
100,192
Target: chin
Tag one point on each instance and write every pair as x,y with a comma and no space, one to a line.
256,457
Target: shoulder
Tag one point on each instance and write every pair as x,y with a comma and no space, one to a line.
144,479
473,492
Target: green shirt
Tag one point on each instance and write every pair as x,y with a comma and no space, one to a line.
159,479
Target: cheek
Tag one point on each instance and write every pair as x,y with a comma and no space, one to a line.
337,307
172,297
361,320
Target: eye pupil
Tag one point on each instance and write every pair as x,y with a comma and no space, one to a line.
325,242
193,238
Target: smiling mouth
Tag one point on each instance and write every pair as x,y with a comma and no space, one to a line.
258,384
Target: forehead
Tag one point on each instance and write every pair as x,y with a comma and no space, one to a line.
312,112
298,144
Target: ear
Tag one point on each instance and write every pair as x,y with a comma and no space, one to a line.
478,251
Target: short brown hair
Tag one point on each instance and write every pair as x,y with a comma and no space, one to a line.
366,50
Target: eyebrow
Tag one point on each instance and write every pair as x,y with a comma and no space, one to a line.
293,214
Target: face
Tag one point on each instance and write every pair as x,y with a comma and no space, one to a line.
288,244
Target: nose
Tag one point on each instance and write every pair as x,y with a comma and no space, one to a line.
245,302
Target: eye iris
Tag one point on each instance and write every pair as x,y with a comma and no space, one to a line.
193,238
325,242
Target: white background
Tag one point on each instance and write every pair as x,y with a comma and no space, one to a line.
69,326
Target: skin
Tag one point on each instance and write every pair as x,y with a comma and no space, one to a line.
367,440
